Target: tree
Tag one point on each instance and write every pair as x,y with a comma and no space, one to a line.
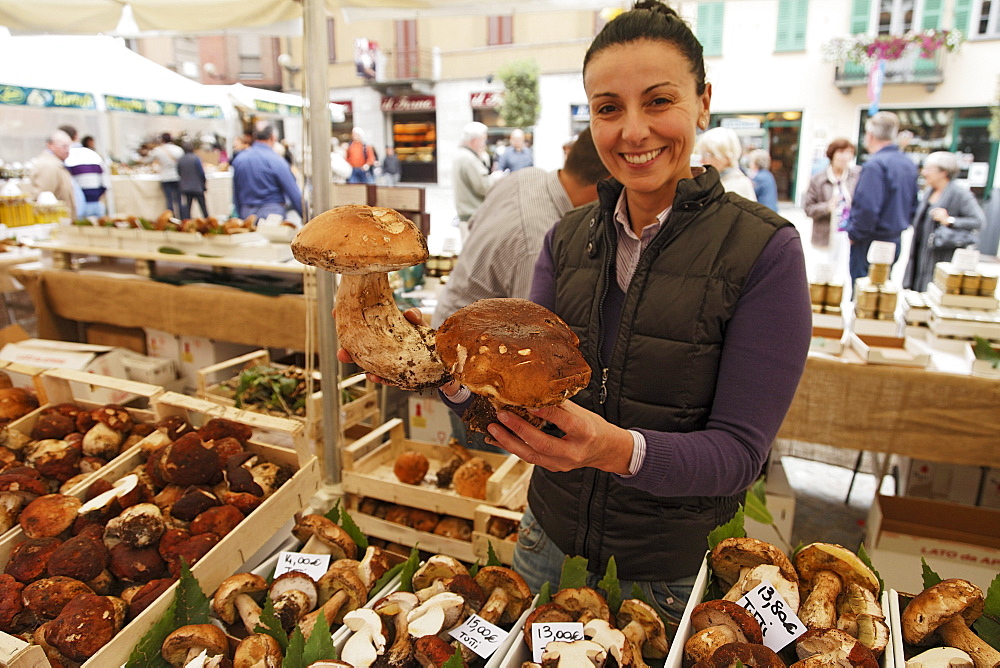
520,106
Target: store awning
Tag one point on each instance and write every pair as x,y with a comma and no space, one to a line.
272,103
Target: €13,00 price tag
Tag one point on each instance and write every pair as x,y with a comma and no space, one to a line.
543,634
313,565
479,635
779,624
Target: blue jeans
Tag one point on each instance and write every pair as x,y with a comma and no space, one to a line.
93,209
262,211
538,560
858,261
361,175
172,195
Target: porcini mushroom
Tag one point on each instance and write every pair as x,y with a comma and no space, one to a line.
233,597
258,650
643,627
49,515
508,594
547,613
747,654
576,654
438,613
437,567
322,535
832,647
393,610
717,623
410,467
514,354
941,657
825,570
187,642
614,642
732,557
362,243
367,642
584,603
946,611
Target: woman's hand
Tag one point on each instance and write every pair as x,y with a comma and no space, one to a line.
589,440
940,216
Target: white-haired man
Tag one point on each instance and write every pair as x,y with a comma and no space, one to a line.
49,172
470,172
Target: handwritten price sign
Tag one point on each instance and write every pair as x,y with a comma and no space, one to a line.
313,565
778,623
479,635
543,634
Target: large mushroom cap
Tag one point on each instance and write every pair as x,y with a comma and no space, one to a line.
359,239
829,557
936,605
518,594
513,351
732,555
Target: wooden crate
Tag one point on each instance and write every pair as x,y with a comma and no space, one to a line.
368,471
363,406
481,540
404,535
28,376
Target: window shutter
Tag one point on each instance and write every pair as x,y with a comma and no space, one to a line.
710,27
963,16
931,19
792,15
860,16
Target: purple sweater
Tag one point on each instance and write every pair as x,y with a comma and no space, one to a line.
762,360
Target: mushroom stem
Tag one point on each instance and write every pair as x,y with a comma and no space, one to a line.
955,633
381,339
249,612
494,605
819,610
315,546
329,610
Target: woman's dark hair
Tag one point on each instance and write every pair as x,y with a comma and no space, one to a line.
651,19
839,144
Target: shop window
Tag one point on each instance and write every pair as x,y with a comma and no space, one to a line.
709,27
250,62
500,30
987,19
895,17
792,15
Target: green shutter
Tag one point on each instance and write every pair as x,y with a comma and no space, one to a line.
710,27
792,15
860,16
932,14
963,16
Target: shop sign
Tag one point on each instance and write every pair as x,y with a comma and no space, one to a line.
408,103
740,123
485,99
161,108
44,97
346,104
276,108
579,112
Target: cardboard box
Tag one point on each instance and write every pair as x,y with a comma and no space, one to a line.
153,370
956,541
197,352
942,481
101,360
162,344
870,327
989,494
428,419
780,499
897,351
130,338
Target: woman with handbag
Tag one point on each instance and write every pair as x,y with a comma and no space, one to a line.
947,218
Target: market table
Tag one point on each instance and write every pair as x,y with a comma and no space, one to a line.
921,413
141,195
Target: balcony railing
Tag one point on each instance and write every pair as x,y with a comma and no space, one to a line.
408,64
909,69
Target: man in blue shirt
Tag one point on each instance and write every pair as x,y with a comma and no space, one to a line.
262,179
886,195
764,185
517,156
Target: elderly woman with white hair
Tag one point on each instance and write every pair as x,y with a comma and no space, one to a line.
721,148
947,218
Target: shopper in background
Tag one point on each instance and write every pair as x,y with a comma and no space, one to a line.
885,198
89,142
470,174
87,169
765,188
361,157
505,235
947,218
517,155
686,299
391,168
828,199
49,174
263,183
165,157
721,148
192,181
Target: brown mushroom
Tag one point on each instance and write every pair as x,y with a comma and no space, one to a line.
293,594
619,648
339,591
145,594
219,520
219,428
423,520
643,627
52,425
138,526
717,623
411,467
508,594
832,647
547,613
193,501
946,611
136,564
576,654
11,603
584,603
324,536
54,458
86,624
259,650
47,597
189,641
746,654
362,243
437,567
367,642
233,598
16,402
433,652
824,570
393,609
187,462
29,559
80,557
733,557
471,477
49,515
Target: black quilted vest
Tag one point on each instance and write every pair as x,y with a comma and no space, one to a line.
661,374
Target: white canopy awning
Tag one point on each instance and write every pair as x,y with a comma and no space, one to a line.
270,102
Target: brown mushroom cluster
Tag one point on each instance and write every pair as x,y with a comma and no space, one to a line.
166,221
97,563
65,445
446,526
466,473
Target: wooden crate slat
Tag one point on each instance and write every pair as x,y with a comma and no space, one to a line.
397,533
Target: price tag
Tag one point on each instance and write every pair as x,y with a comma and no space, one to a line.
543,634
313,565
479,635
778,623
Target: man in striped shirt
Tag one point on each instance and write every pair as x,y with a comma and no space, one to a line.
87,169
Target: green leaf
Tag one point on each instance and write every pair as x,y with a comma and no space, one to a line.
334,513
988,625
146,653
491,557
295,652
410,567
638,593
474,569
455,661
756,503
731,529
319,646
867,561
985,351
574,573
347,522
545,593
271,625
929,576
389,575
192,604
611,586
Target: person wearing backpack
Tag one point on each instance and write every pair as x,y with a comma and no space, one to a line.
361,158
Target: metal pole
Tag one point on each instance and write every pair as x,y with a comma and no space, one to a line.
317,122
